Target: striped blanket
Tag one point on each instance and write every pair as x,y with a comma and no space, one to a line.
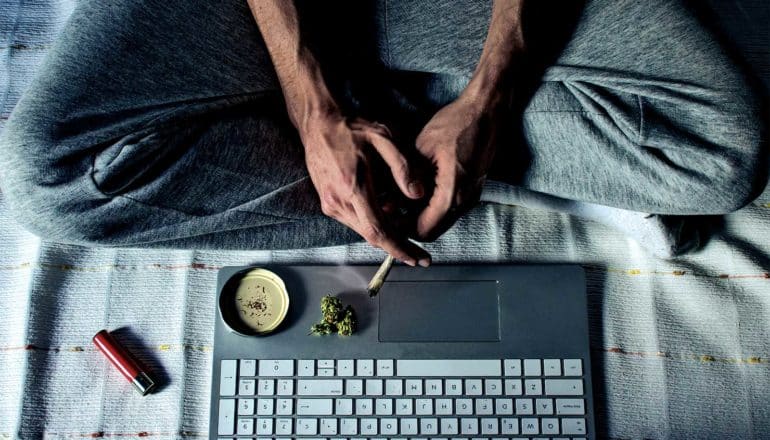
681,349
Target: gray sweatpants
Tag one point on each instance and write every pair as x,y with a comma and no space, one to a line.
160,122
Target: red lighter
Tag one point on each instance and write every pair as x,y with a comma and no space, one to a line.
124,362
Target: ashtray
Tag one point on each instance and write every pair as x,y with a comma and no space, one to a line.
254,302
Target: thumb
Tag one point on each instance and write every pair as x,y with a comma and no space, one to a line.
399,167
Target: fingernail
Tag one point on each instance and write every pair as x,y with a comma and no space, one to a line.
424,262
416,188
409,262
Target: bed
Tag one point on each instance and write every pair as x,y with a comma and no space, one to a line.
680,348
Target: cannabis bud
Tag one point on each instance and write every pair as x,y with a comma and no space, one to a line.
347,326
335,318
331,308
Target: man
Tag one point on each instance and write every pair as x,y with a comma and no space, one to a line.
157,123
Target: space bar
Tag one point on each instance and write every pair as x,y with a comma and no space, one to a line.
454,367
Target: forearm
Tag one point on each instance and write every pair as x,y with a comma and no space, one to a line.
503,50
299,72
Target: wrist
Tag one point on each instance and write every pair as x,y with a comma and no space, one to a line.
306,94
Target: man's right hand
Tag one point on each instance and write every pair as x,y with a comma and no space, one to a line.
336,154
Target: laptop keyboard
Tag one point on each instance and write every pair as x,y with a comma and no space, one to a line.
414,399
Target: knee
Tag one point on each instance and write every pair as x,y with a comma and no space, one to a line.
49,198
721,154
744,146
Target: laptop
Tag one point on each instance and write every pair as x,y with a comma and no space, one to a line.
451,351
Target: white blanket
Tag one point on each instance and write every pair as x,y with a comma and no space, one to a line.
680,349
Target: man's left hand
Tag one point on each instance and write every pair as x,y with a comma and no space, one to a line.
460,143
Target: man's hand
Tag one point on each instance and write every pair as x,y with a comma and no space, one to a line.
337,157
460,142
337,149
460,139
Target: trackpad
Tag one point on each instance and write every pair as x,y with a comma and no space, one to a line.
439,311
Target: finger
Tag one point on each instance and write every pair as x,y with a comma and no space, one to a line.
439,205
379,234
399,167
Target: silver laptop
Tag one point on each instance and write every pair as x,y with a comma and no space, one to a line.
452,351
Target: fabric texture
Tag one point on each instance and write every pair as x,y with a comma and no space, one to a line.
159,124
667,337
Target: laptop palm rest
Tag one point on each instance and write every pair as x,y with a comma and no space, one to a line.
439,311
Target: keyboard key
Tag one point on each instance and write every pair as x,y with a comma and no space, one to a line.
533,387
306,367
385,367
273,368
307,426
428,426
532,367
449,426
328,426
564,387
354,387
443,407
246,387
408,427
365,367
469,426
524,407
573,367
226,424
544,406
464,407
369,427
264,426
325,372
530,426
454,387
489,426
388,426
404,407
550,426
573,426
314,407
383,407
245,407
364,407
374,387
493,387
570,407
509,426
413,387
433,387
473,387
245,427
284,407
285,387
484,407
266,387
248,367
349,426
343,407
394,387
512,367
325,363
423,407
449,368
227,378
283,426
265,407
552,367
346,367
513,387
319,387
504,407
